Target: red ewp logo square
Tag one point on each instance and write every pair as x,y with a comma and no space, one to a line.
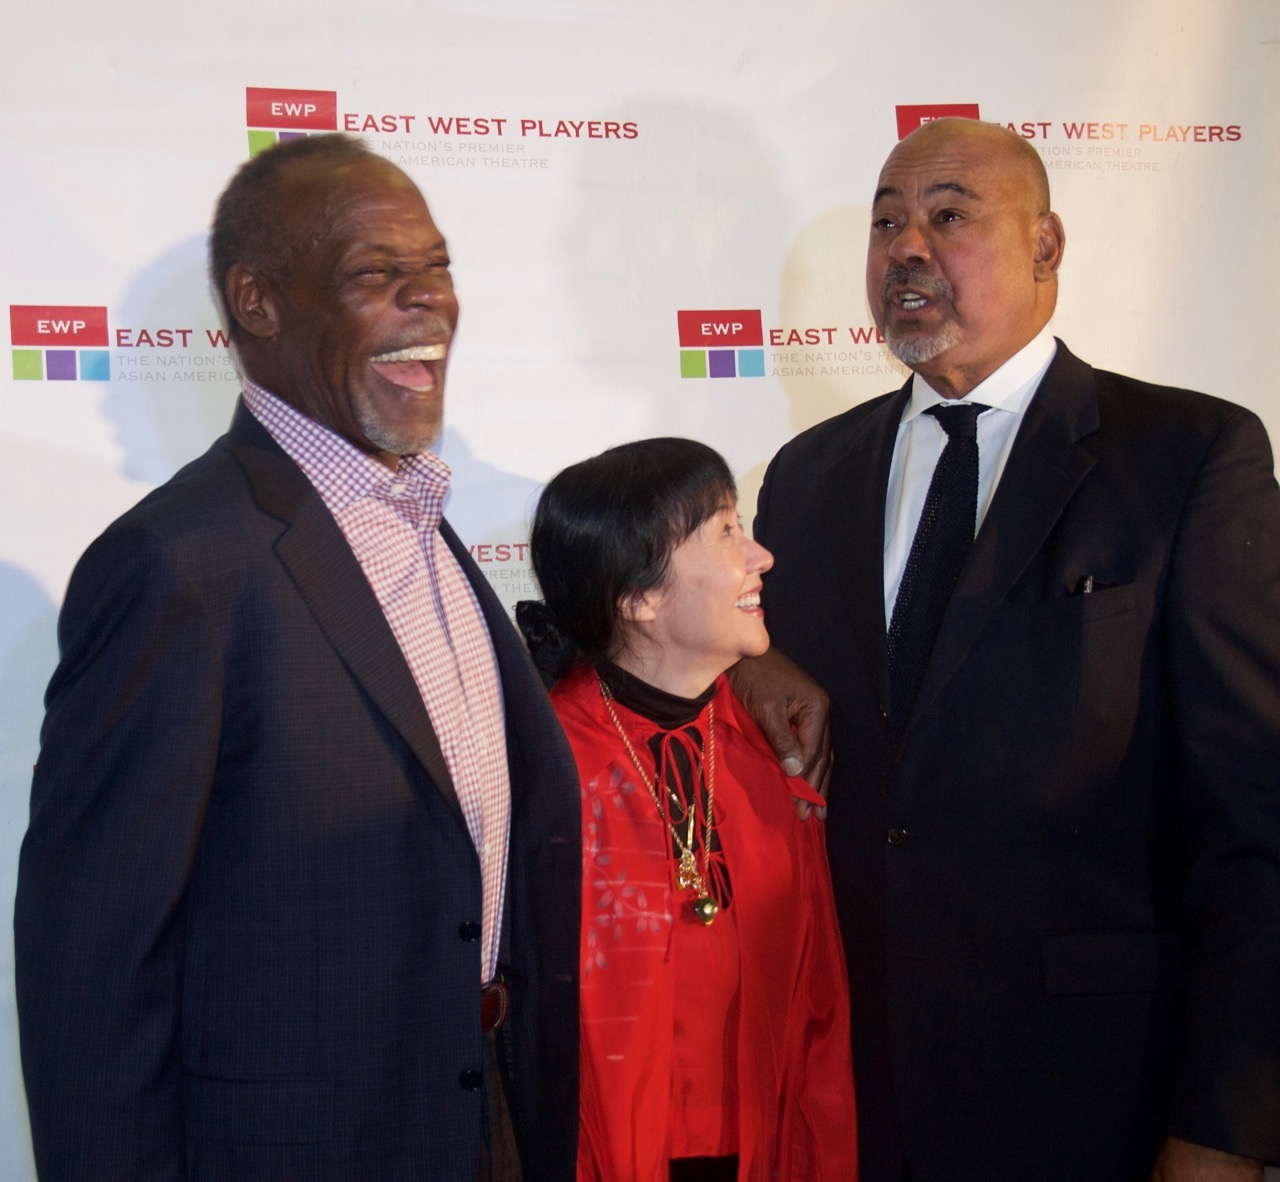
48,325
727,328
910,117
300,110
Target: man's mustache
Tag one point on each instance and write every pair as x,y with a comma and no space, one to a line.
919,279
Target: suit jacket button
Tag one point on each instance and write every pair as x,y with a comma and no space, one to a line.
897,836
471,1081
469,930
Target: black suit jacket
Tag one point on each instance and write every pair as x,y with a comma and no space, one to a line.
248,903
1060,889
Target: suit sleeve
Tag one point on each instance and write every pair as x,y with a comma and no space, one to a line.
1223,651
128,752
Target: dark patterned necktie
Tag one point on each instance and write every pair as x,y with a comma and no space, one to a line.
938,552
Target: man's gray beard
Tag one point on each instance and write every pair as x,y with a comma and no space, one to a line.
377,433
916,349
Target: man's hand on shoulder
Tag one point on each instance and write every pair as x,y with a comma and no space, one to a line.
794,713
1181,1161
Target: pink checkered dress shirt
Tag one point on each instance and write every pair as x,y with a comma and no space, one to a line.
392,522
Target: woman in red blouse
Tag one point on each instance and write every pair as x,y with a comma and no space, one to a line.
715,1014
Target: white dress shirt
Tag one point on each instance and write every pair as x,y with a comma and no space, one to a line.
921,439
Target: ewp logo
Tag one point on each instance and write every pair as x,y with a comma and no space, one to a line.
711,344
48,343
909,118
273,115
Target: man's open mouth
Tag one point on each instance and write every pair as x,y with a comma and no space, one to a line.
410,368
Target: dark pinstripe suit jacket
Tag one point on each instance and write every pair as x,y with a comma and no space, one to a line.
243,927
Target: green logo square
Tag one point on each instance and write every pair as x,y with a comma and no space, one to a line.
693,363
28,365
259,141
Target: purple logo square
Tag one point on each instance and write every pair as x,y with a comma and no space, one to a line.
721,363
60,365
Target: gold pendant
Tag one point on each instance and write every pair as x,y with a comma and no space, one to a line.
706,908
687,873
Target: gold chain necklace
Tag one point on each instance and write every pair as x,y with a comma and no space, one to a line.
688,876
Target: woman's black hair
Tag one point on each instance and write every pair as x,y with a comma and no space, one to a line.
604,530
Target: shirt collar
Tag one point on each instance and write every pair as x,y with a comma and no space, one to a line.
341,473
1009,388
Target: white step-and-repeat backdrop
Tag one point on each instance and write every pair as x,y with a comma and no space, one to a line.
657,213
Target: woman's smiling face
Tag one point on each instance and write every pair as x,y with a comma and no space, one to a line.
707,614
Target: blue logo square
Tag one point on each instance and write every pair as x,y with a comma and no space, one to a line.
95,365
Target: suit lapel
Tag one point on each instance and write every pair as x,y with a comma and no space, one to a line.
330,581
534,738
1045,467
859,478
541,769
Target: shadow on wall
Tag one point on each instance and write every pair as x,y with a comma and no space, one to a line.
580,320
823,284
28,652
173,385
699,231
491,510
648,236
486,504
822,291
27,656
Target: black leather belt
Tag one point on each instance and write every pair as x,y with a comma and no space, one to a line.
495,1004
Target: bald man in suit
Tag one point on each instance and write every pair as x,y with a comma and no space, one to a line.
1055,807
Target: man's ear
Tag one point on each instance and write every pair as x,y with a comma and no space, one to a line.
639,607
1051,242
251,300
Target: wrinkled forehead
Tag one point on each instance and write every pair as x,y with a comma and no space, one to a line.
332,187
350,201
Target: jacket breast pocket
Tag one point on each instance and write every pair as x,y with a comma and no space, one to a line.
1113,601
1035,660
259,1111
1114,630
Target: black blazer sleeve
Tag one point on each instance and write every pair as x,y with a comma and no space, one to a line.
128,752
1222,640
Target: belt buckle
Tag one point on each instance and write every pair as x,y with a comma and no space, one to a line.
495,1004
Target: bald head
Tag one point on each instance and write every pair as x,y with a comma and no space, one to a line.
1022,160
964,252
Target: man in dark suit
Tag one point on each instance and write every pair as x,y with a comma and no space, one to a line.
1055,810
299,895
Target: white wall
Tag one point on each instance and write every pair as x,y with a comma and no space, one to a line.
758,132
